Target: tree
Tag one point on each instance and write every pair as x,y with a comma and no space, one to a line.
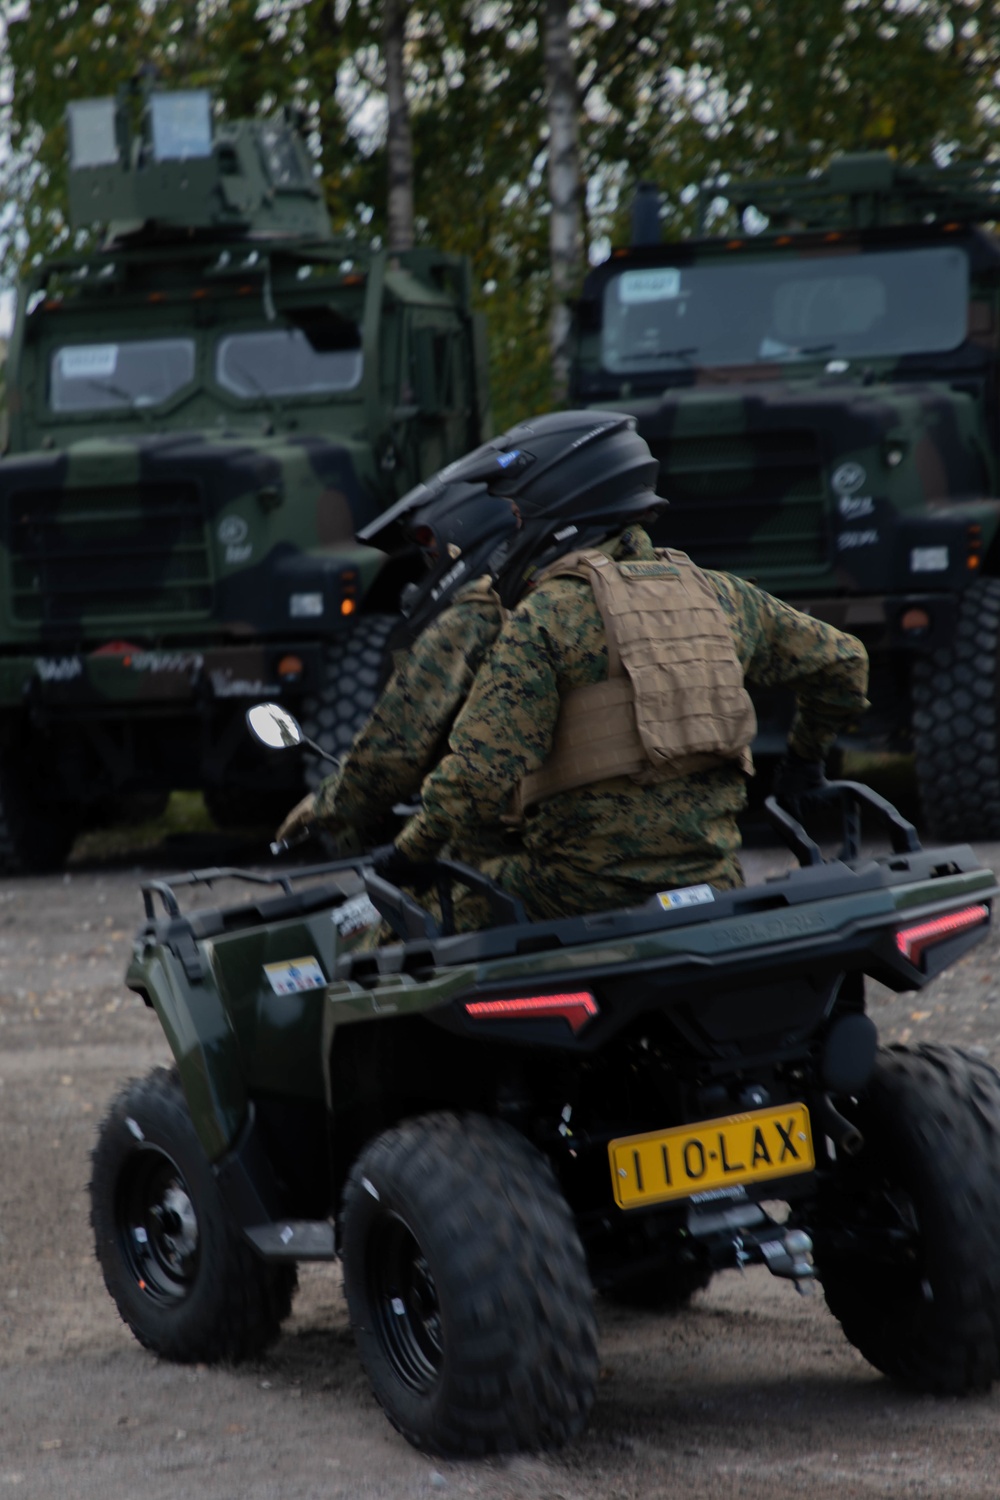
500,100
399,142
564,183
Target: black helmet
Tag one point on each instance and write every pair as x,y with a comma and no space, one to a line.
464,533
575,476
572,477
583,466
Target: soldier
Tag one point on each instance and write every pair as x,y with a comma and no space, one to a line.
610,723
452,618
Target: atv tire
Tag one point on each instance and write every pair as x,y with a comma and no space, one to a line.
929,1315
468,1289
177,1268
35,835
956,721
355,669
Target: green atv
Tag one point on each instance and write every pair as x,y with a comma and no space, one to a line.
485,1127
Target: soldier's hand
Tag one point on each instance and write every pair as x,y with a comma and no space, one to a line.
391,864
796,778
299,820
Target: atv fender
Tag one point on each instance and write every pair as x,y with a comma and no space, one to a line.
202,1040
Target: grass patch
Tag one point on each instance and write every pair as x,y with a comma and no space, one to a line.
185,813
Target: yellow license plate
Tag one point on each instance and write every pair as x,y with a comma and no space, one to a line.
692,1159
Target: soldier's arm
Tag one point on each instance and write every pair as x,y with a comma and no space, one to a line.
504,731
779,646
409,725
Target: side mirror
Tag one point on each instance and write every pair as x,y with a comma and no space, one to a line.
274,726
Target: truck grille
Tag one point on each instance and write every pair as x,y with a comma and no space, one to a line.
107,554
748,503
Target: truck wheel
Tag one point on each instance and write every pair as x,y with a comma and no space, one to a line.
177,1268
468,1289
354,672
956,722
35,835
236,807
916,1286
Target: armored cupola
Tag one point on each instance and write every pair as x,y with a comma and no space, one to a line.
181,170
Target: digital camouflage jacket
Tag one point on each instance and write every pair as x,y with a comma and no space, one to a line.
408,728
616,842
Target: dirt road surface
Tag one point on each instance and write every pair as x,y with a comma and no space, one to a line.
751,1392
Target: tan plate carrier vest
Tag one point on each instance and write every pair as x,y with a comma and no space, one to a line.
673,701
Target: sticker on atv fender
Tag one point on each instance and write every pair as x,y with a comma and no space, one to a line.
690,1160
356,915
689,895
295,975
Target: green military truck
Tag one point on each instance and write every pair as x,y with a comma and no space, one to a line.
821,388
201,414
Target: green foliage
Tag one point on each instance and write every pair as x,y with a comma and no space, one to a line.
673,90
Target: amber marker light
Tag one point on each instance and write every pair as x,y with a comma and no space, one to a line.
290,668
913,942
576,1009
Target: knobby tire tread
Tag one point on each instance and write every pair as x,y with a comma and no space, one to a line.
956,721
931,1120
520,1364
239,1302
354,673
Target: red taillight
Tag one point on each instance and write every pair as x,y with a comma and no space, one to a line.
576,1009
912,941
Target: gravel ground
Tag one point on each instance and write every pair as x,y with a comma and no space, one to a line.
751,1392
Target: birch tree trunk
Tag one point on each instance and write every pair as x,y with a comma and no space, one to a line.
564,185
400,142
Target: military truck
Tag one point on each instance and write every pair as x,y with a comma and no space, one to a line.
821,387
202,412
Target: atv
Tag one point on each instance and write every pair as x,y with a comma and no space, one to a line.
486,1127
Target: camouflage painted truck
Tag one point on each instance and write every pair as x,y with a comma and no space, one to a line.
202,413
822,391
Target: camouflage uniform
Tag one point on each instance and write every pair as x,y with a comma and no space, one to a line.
408,728
615,842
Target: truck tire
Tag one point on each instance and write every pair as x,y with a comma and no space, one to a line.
237,807
927,1314
956,722
179,1271
355,670
35,835
468,1289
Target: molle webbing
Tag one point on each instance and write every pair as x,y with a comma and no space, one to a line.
674,700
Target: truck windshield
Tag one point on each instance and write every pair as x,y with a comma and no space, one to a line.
745,309
284,362
102,377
